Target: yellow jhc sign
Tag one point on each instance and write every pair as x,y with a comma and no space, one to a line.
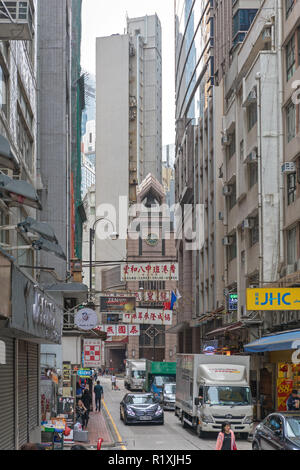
273,299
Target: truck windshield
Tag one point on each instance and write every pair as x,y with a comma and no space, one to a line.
138,374
159,380
229,396
170,388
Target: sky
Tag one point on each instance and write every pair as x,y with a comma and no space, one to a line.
103,18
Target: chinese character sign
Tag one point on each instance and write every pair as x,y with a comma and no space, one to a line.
273,299
149,272
120,330
147,316
153,296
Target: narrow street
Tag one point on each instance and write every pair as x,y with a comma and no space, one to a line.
170,436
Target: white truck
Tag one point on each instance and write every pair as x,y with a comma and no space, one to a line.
135,374
213,389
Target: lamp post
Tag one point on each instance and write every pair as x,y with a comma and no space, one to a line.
114,236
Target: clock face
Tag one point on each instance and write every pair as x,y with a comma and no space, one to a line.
152,239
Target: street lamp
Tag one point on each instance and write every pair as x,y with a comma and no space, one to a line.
114,236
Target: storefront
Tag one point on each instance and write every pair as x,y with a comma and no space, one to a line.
279,368
28,318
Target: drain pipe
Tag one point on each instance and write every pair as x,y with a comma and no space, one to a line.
259,163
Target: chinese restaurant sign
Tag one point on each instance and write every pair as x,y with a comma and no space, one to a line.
92,352
273,299
149,272
148,316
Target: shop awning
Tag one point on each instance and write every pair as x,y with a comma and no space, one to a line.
279,342
232,327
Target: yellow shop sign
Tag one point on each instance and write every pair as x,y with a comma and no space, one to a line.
273,299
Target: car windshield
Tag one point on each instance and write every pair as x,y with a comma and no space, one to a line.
170,388
138,374
227,396
140,400
159,380
293,426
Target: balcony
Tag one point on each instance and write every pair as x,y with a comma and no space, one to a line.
16,20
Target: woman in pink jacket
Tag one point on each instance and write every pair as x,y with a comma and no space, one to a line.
226,438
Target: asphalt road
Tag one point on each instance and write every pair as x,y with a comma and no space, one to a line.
170,436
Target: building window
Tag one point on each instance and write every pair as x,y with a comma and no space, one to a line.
242,150
252,116
3,91
254,233
25,142
292,246
291,121
253,174
232,197
290,58
232,249
289,5
231,147
291,188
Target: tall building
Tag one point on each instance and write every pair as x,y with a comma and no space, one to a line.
196,162
128,119
29,316
88,163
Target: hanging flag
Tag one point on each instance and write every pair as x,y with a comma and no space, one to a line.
178,295
173,300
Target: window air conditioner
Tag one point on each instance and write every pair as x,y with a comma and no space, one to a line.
249,223
227,190
288,167
227,241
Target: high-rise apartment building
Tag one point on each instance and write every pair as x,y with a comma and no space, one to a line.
128,120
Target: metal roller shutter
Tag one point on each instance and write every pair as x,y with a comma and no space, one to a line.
33,385
22,393
7,394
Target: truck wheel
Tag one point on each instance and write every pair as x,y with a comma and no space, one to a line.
201,434
184,425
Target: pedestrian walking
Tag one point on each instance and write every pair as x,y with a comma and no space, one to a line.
98,391
86,398
226,438
293,401
81,414
113,382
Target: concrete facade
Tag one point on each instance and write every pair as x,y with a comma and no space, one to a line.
54,52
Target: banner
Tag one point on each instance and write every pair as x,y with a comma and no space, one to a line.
148,316
149,272
92,352
117,304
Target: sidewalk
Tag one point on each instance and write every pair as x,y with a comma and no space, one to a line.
98,428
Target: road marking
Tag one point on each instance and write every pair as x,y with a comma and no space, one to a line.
114,426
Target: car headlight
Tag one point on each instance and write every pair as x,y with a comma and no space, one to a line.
248,420
158,411
130,412
207,419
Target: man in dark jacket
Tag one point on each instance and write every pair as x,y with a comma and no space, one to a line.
98,391
293,401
